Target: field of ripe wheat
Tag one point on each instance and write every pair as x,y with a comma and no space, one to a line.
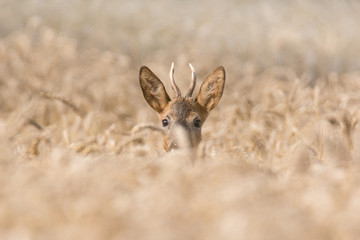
80,157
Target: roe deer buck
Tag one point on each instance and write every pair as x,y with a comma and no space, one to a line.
182,117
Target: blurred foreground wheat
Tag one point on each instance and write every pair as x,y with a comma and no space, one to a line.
81,153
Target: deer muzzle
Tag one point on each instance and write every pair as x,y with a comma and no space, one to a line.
179,137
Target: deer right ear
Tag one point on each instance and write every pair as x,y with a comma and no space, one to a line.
212,89
153,89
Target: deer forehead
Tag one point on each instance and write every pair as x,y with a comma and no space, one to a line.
181,108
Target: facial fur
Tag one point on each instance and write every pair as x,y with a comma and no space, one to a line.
182,117
181,114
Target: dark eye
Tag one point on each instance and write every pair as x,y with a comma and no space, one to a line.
197,123
165,122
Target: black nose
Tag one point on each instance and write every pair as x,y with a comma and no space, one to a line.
173,146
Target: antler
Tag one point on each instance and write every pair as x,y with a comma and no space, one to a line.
193,81
172,81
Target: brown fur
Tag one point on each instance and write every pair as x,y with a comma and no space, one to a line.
153,89
212,89
181,112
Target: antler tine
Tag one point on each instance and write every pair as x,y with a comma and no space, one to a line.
193,81
172,81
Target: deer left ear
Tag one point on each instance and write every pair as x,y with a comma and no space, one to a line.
153,89
212,89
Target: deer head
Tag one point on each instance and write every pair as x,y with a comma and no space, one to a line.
182,117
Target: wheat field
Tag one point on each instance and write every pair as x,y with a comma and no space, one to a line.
81,157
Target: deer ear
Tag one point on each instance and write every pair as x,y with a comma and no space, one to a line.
212,89
153,89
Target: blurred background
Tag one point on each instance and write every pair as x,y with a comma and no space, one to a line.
79,155
312,37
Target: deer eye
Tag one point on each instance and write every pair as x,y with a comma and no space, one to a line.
165,122
197,123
